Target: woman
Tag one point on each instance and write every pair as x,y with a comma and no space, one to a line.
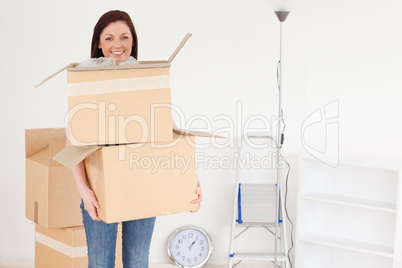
115,37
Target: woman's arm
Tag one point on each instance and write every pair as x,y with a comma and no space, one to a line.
198,191
199,200
87,195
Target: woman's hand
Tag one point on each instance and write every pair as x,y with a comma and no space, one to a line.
199,200
87,195
90,203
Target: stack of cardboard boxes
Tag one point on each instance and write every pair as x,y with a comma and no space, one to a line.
52,202
120,125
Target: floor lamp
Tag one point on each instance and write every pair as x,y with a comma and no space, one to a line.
282,15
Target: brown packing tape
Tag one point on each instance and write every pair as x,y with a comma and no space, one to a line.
118,85
72,252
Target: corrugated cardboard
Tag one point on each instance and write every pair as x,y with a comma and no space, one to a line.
119,106
130,184
52,199
111,105
66,248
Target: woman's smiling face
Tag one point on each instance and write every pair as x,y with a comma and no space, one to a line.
116,41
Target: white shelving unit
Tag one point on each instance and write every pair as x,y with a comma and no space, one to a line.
349,216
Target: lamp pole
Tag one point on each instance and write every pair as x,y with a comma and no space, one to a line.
282,15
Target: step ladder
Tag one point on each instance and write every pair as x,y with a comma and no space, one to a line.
254,206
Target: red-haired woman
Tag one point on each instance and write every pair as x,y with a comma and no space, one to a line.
114,37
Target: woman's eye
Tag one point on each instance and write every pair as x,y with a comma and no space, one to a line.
124,37
108,38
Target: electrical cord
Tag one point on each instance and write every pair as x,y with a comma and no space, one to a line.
286,210
281,112
279,145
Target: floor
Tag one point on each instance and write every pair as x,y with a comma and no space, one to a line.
18,263
31,264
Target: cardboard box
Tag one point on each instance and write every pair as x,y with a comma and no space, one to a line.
139,180
66,248
119,106
52,199
124,104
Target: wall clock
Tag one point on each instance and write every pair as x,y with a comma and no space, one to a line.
189,246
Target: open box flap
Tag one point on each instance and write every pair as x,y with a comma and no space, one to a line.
41,157
143,64
179,47
71,65
72,155
56,146
44,157
37,140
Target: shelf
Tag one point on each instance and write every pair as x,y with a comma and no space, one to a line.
368,163
350,201
348,244
349,215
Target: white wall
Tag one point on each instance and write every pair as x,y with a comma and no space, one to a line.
333,50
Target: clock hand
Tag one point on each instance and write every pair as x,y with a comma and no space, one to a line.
192,244
188,244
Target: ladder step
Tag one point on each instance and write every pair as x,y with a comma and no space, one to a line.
258,224
258,257
259,135
258,202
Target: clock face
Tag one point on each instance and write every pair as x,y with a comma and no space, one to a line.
190,247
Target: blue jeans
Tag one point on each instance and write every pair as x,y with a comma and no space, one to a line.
101,242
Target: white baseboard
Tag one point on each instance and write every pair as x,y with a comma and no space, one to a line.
30,263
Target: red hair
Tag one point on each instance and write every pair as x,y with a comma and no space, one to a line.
103,22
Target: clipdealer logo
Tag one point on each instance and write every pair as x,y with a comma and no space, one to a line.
321,123
182,163
242,161
323,126
173,161
107,124
112,129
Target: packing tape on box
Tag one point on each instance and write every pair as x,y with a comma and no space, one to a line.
74,252
118,85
